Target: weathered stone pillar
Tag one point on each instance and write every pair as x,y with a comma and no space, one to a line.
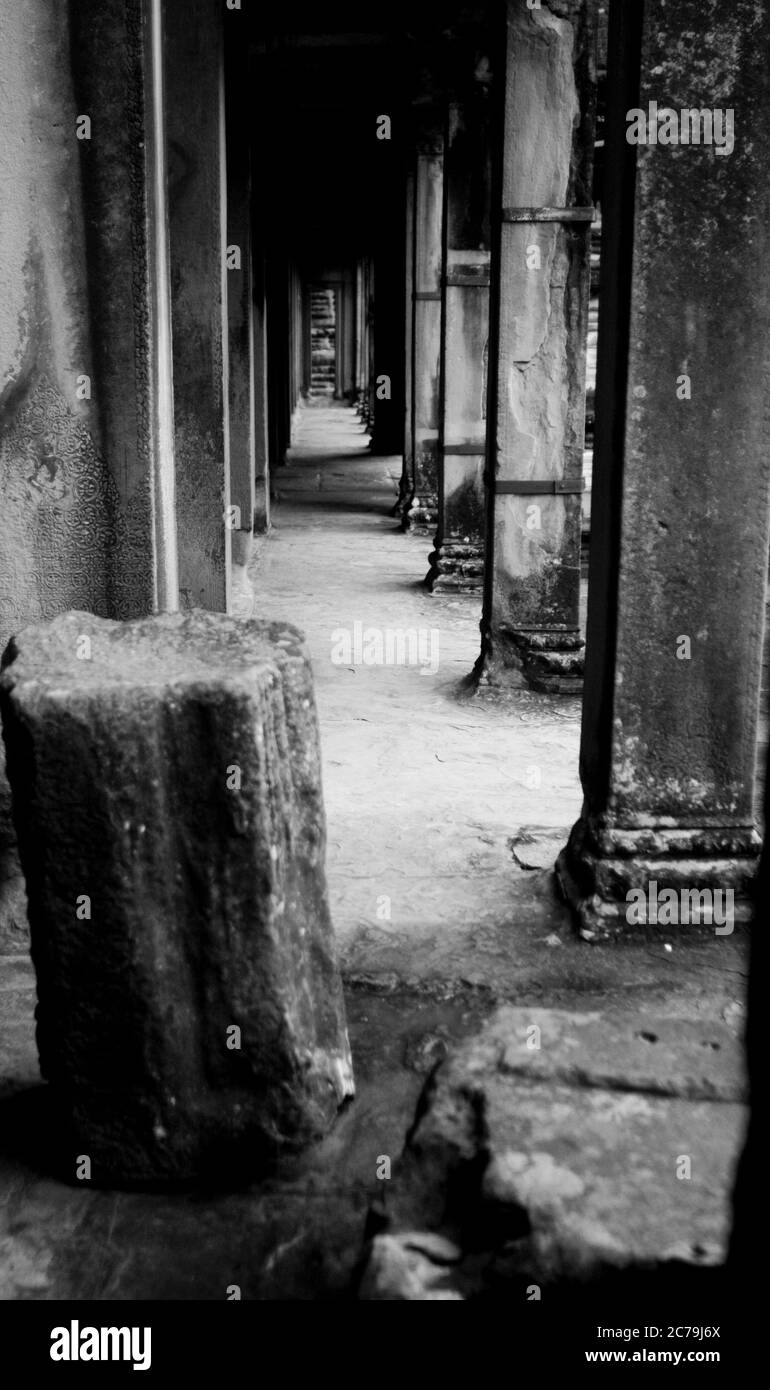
199,260
458,559
86,408
387,376
367,388
278,298
344,375
681,492
261,435
360,335
240,315
295,344
167,800
407,472
540,282
422,510
371,343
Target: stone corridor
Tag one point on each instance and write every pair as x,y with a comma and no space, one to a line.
474,923
384,619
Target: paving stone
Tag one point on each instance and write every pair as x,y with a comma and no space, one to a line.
611,1147
619,1049
169,908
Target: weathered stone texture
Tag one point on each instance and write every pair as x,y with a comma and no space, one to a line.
208,905
537,372
198,243
242,381
82,498
421,514
681,485
458,560
546,1151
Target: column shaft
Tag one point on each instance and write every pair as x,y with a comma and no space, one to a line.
261,437
540,284
407,472
360,334
428,268
86,426
198,235
681,490
458,559
240,315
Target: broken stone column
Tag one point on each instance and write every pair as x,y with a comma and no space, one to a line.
199,269
168,806
421,512
540,285
681,490
458,559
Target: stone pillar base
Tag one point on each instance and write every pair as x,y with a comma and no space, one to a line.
401,503
601,865
241,601
242,595
420,516
363,410
456,566
549,662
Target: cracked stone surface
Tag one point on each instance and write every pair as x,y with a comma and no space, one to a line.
559,1146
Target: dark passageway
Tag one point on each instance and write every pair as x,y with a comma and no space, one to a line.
385,516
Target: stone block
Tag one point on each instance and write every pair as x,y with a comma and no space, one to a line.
559,1148
168,806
